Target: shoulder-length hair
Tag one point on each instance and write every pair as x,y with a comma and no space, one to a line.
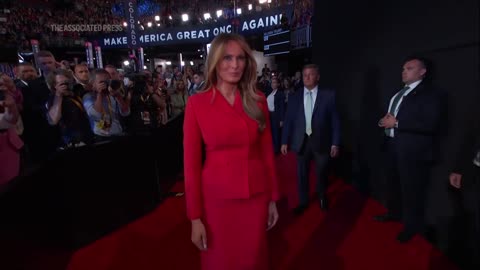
246,85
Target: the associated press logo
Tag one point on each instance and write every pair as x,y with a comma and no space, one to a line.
86,27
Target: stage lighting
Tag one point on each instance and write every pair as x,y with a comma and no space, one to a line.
219,13
184,17
126,63
250,6
207,16
157,18
239,11
149,24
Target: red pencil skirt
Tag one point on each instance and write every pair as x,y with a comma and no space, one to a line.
236,234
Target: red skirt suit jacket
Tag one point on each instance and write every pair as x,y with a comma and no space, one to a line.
239,159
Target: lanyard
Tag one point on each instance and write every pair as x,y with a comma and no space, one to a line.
110,110
77,103
145,99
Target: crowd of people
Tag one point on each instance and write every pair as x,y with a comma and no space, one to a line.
70,105
23,21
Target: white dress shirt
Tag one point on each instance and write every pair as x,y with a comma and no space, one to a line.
271,101
395,112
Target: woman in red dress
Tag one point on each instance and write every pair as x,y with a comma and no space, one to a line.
230,181
10,142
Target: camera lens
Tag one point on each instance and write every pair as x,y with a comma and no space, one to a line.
115,84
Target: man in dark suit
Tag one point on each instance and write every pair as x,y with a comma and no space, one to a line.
312,128
197,84
276,107
40,138
465,176
411,127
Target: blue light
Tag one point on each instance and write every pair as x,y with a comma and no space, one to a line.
145,8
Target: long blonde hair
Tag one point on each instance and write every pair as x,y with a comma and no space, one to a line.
246,85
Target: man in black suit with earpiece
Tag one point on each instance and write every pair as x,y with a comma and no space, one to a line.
411,126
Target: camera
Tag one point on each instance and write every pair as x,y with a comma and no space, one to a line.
115,84
69,86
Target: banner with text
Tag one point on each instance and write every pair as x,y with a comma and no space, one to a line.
243,25
131,17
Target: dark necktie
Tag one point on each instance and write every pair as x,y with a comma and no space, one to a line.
397,99
395,102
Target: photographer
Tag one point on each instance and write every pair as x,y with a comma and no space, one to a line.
10,142
105,106
179,98
81,74
160,86
146,106
66,110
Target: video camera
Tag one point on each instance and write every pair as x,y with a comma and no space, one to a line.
114,84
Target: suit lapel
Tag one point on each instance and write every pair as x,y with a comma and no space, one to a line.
277,98
236,108
415,91
410,100
405,98
237,103
301,109
317,101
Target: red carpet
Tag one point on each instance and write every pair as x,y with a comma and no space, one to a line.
343,238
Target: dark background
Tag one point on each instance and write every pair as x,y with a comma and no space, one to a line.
360,47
